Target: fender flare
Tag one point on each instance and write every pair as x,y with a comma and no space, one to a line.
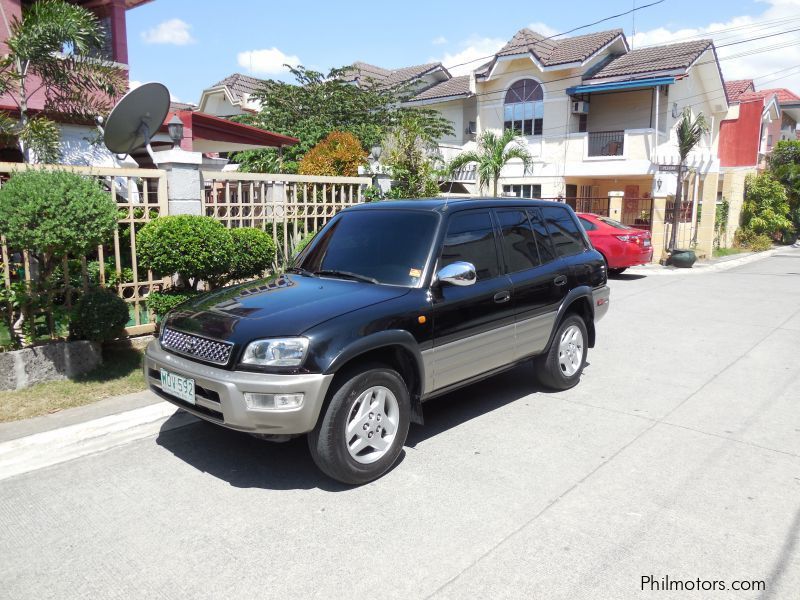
581,291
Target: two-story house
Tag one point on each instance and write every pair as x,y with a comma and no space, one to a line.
756,120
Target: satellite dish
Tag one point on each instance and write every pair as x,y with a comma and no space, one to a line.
136,118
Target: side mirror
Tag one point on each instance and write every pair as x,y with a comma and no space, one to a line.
458,273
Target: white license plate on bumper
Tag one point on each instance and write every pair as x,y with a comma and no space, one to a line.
646,243
178,386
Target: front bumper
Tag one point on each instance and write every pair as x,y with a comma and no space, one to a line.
601,297
220,394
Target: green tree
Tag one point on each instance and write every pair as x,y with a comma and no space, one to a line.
493,153
317,104
766,207
411,155
690,131
784,165
54,50
340,153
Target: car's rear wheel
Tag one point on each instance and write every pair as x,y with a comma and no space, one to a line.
561,367
619,271
364,427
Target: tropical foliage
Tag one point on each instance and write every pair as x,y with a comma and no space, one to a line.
493,153
766,207
340,153
690,130
55,50
315,105
411,154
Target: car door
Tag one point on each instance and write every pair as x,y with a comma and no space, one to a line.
571,243
531,266
473,325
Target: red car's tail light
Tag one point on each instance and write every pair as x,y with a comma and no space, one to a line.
626,238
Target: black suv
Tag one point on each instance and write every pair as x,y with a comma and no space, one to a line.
391,304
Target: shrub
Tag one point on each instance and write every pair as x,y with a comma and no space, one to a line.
192,246
253,253
98,316
55,212
760,242
163,302
304,241
340,153
766,206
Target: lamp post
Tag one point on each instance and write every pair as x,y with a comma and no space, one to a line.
175,130
375,156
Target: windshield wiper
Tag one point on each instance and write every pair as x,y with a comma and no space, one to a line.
301,271
346,274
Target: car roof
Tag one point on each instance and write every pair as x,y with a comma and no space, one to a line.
442,205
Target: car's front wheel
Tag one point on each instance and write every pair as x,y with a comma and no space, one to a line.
561,367
364,427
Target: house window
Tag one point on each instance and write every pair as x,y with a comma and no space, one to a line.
524,109
525,190
582,122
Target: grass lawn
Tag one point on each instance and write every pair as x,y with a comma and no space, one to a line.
728,251
120,373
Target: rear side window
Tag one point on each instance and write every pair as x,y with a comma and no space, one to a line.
587,224
564,231
470,238
546,253
519,243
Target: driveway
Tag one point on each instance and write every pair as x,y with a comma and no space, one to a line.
678,456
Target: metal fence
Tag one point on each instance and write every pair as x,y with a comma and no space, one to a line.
598,206
140,196
287,206
638,212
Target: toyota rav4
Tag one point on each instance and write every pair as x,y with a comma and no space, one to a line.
390,305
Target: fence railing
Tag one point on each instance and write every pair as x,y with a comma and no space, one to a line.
598,206
285,206
638,212
606,143
140,196
684,212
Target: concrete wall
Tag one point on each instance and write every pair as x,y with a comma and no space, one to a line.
61,360
620,110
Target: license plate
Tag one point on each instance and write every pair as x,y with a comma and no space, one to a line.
646,242
180,387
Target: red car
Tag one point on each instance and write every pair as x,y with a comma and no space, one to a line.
621,245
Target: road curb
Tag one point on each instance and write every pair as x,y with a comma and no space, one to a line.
700,268
50,448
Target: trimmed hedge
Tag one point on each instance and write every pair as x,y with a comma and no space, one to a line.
253,253
99,315
163,302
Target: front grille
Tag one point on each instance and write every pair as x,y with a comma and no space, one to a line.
197,347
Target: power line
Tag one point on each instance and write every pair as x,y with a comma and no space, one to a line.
622,14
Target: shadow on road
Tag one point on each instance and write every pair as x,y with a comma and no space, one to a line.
627,277
247,462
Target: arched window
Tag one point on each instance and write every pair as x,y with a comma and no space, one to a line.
523,108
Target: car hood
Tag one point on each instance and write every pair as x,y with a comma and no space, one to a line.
279,306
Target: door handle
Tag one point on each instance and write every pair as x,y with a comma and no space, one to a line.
560,280
503,296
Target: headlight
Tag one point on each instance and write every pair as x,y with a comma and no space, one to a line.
278,352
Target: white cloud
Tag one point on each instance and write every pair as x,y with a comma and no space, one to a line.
779,15
269,61
439,40
473,53
543,29
174,31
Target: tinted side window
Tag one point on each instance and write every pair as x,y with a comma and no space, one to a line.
542,238
587,224
470,238
519,244
567,237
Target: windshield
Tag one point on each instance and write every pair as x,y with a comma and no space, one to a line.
614,223
385,246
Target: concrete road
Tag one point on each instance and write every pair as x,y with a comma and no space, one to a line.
678,456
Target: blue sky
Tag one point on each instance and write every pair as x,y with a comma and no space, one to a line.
191,44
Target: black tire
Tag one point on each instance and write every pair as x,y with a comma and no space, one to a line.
616,272
548,367
328,441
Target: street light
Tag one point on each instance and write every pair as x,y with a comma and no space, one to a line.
175,129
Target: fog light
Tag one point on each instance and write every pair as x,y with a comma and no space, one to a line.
256,401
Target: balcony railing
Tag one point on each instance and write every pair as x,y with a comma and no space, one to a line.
468,173
606,143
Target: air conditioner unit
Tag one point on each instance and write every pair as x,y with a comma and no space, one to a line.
580,108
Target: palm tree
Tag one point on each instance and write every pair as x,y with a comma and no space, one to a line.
689,131
493,153
55,49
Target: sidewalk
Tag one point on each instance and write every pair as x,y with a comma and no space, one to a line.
722,263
